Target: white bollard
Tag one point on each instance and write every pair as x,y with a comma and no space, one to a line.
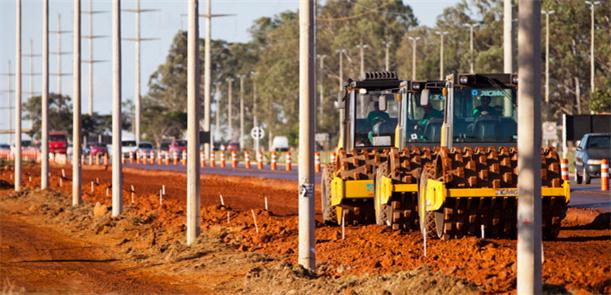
92,187
483,232
222,201
163,189
266,208
61,183
343,225
254,218
132,190
228,217
160,198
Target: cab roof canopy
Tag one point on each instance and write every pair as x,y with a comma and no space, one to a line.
486,80
377,81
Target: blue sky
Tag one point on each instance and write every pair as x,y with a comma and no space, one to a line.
162,24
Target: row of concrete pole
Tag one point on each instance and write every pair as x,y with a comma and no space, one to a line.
529,133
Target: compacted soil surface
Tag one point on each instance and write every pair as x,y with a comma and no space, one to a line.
48,246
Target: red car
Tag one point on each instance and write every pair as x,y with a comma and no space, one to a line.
97,148
178,146
58,142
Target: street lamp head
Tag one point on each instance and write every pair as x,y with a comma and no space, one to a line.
413,39
548,12
592,3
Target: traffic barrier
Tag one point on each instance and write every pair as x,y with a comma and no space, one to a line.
105,159
138,157
288,161
184,158
223,159
234,160
259,160
212,161
247,159
152,159
317,162
167,157
90,160
564,169
202,160
82,160
131,157
273,165
604,175
158,157
97,159
175,157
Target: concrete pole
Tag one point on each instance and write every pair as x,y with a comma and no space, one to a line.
217,115
592,6
44,138
507,37
471,55
547,14
230,108
31,74
529,145
10,101
76,106
341,68
241,111
387,55
137,107
117,173
255,122
58,35
362,47
578,95
414,41
441,35
91,62
193,117
322,86
307,125
207,73
18,98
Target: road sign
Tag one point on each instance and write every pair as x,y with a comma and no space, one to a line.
257,133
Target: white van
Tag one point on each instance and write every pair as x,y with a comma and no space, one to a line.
280,144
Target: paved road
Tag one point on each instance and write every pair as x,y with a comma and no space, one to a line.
582,196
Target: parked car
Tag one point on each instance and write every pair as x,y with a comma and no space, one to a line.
178,146
164,146
591,150
5,149
280,144
146,148
128,146
233,146
58,142
96,148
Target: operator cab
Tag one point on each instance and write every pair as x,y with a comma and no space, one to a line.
422,112
483,108
372,111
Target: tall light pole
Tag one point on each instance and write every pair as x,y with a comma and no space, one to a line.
44,104
341,53
193,117
441,35
31,74
387,55
138,40
547,14
307,125
217,115
207,69
76,106
230,108
117,173
592,5
241,77
471,56
414,41
58,36
18,97
91,61
507,37
361,48
529,145
321,57
9,90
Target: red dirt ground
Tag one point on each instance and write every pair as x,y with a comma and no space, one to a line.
579,259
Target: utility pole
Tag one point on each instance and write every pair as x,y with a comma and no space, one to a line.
255,122
44,143
207,70
322,86
76,106
529,144
193,118
387,55
341,53
18,98
230,107
241,110
117,173
307,125
58,37
592,5
31,74
8,92
91,61
547,14
362,47
138,39
414,41
507,37
441,35
471,56
217,115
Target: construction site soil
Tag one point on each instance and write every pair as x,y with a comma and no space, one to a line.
144,250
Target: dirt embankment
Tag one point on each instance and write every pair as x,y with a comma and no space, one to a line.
578,261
